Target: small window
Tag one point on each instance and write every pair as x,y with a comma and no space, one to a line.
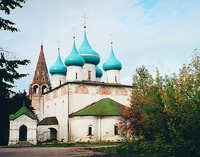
60,82
76,76
44,89
115,79
89,75
35,89
90,130
116,129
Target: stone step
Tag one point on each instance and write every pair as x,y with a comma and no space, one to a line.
23,144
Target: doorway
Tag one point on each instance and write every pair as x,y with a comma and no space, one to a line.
53,134
23,133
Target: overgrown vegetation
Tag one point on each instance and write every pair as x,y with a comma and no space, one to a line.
163,119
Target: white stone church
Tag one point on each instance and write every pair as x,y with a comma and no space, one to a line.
75,105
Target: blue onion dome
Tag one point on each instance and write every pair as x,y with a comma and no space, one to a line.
99,72
88,54
74,59
112,63
58,68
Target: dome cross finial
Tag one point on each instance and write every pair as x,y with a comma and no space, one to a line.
58,44
84,18
111,38
74,32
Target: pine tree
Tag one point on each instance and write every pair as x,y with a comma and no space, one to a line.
6,6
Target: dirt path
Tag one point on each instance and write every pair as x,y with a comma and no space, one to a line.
49,152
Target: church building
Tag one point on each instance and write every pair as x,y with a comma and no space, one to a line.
74,104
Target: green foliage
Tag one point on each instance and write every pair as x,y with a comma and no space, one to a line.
164,113
6,6
8,75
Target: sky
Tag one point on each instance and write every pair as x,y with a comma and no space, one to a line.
154,33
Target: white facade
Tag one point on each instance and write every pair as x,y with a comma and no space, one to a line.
57,80
89,72
112,76
74,73
102,129
18,125
74,96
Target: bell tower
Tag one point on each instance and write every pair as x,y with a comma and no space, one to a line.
40,83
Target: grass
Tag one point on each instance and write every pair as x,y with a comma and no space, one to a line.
79,144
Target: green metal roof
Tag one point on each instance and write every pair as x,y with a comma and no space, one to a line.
23,111
103,107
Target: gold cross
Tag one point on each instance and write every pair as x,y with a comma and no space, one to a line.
111,38
58,44
74,30
84,18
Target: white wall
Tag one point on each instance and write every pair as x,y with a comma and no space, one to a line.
102,128
79,129
74,73
15,126
96,93
74,97
107,128
57,80
112,76
89,67
43,132
55,104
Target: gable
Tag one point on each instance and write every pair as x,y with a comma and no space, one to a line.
23,111
103,107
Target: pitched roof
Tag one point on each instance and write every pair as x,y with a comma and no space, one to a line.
41,75
49,121
103,107
23,111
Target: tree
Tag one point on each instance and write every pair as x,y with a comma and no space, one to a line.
164,112
18,100
6,6
8,70
8,75
132,116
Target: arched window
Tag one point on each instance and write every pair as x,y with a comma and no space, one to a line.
89,75
116,129
35,89
89,130
44,89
